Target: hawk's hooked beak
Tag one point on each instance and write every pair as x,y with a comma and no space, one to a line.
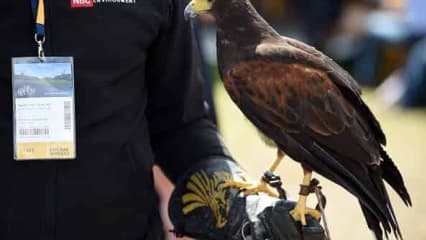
189,12
196,7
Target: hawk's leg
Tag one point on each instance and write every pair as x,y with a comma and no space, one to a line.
301,210
280,157
261,186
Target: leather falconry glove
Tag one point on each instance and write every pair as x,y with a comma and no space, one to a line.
202,208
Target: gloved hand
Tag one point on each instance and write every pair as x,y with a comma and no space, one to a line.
202,208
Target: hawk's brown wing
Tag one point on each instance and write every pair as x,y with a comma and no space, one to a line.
291,50
302,101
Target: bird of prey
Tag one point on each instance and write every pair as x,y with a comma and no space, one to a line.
308,106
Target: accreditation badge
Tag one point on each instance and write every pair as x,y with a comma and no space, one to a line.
43,104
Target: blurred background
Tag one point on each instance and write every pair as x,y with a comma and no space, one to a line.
382,43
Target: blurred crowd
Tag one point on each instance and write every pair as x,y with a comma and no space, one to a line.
380,42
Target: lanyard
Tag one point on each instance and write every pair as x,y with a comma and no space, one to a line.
37,7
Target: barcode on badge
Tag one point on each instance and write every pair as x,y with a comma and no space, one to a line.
33,132
67,115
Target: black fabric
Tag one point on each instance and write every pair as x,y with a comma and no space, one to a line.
138,100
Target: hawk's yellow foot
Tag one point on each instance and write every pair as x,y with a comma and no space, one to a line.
251,188
300,211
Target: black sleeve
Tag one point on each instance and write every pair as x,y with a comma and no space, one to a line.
181,134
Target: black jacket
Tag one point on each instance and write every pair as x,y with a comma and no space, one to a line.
138,100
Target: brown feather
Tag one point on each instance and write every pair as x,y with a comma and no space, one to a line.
293,94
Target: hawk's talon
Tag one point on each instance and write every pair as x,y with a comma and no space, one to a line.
300,211
251,188
299,214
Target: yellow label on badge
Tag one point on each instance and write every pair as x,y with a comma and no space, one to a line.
34,151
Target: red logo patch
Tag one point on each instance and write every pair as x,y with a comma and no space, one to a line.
81,3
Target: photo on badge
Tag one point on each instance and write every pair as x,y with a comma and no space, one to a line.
43,80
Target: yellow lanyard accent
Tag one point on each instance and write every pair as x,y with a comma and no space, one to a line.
40,13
